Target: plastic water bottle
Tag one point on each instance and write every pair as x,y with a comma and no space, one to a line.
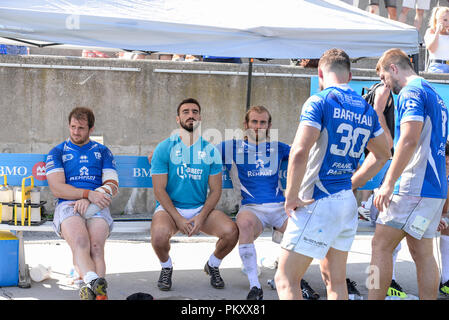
93,209
268,262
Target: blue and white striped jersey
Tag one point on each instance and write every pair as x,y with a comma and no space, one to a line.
346,123
425,174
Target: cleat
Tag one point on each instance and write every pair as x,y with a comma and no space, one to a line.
395,290
255,294
353,293
364,214
307,292
164,282
99,286
215,279
444,288
86,293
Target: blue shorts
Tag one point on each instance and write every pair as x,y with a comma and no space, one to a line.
438,68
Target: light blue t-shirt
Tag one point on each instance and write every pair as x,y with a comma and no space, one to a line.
346,123
425,174
188,169
83,166
254,169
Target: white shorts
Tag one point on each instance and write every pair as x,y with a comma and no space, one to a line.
64,210
186,213
269,214
417,216
420,4
329,222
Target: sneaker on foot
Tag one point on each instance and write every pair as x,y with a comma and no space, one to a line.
86,293
444,288
164,282
307,292
99,287
364,213
255,294
353,293
215,279
395,290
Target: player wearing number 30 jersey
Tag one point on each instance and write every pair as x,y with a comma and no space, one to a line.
346,122
336,125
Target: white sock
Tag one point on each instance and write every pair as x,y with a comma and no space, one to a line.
249,259
89,276
167,264
214,261
395,256
444,248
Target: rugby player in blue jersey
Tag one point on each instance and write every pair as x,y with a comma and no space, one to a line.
336,125
414,189
183,167
254,165
80,172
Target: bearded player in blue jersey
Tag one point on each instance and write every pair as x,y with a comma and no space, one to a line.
414,189
254,164
80,172
336,125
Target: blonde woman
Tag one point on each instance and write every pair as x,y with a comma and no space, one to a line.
437,40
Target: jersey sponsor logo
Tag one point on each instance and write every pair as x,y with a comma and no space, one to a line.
84,171
185,172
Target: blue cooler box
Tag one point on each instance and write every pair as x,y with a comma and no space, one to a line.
9,259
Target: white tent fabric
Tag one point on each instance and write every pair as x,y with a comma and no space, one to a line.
233,28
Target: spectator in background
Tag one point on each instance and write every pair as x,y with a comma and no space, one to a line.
389,4
420,5
437,40
222,59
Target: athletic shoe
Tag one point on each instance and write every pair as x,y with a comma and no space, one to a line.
395,290
353,293
86,293
95,290
364,213
307,292
164,282
444,288
255,294
215,279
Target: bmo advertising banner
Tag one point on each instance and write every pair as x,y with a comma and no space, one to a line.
133,171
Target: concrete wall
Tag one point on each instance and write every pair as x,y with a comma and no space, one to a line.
135,110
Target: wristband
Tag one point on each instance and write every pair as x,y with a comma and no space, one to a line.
86,194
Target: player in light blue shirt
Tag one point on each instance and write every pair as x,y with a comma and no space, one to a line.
183,167
81,172
414,189
336,125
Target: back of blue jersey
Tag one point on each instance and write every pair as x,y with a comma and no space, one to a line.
425,174
346,123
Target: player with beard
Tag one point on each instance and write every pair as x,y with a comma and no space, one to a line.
182,168
254,163
414,189
80,172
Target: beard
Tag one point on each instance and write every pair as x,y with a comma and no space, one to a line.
258,136
79,140
189,127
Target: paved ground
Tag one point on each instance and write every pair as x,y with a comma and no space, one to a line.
133,267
